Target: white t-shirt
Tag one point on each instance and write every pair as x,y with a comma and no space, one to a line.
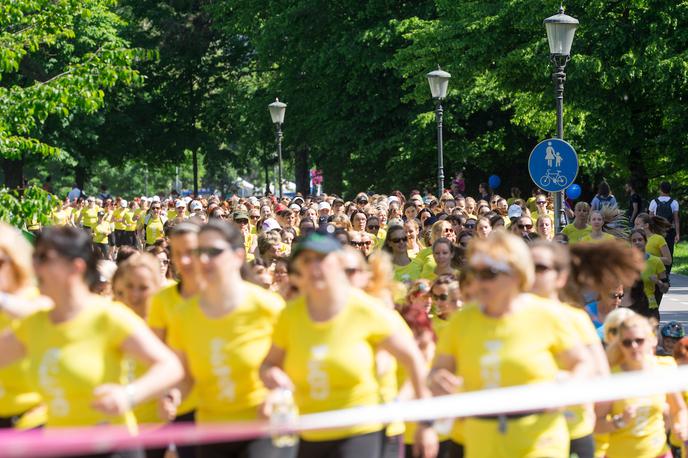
653,205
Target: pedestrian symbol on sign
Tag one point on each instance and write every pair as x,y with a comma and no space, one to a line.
553,165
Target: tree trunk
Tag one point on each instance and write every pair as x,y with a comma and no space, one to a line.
13,169
638,171
195,171
301,169
80,176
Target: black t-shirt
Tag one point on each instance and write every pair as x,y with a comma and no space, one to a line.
634,199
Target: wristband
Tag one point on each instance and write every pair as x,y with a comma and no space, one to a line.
618,421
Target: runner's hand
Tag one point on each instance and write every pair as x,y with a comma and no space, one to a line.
442,382
167,405
425,443
275,377
111,399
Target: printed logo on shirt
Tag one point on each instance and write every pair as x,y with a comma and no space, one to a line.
47,378
221,370
490,364
317,378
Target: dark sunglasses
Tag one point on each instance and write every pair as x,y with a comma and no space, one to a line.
373,228
525,226
360,244
255,216
488,273
211,252
616,295
541,202
440,297
402,239
628,343
469,226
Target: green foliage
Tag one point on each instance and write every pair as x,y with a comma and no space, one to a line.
33,204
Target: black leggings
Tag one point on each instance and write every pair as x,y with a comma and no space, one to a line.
258,448
361,446
583,447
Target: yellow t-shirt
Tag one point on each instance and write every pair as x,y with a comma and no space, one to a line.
499,352
72,358
574,234
653,266
655,242
407,273
162,314
16,393
224,354
101,232
118,218
128,218
60,217
644,435
605,236
580,419
332,363
146,412
155,230
89,217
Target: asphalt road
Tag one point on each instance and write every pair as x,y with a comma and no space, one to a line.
674,304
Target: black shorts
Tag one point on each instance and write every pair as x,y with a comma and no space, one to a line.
124,238
360,446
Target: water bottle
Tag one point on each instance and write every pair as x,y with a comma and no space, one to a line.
284,416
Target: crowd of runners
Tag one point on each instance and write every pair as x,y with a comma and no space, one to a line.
167,309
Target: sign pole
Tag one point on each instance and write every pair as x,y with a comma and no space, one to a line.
559,76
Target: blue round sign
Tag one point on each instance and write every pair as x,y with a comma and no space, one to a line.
553,165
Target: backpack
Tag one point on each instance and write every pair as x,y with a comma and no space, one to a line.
664,209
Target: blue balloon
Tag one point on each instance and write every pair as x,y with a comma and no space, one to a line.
573,192
494,181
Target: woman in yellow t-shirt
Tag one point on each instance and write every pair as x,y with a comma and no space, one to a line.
552,267
441,228
77,364
579,228
324,346
655,227
405,270
413,242
490,344
20,404
654,275
636,426
222,336
443,255
596,229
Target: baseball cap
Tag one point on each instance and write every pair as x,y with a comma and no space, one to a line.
299,199
196,206
124,203
324,205
318,242
253,200
280,208
515,211
155,198
179,203
673,329
240,215
338,200
295,207
391,199
101,213
270,224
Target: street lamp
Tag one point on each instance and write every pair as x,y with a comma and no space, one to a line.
277,110
439,81
561,29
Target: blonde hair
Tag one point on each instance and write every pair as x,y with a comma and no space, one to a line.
19,252
614,353
140,260
381,269
613,320
436,230
507,248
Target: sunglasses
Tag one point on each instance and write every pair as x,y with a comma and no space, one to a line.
541,268
360,244
402,239
373,228
469,226
255,217
241,221
211,252
488,273
440,297
541,202
628,343
616,296
155,208
525,226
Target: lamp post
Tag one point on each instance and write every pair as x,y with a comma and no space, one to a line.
561,29
277,110
439,81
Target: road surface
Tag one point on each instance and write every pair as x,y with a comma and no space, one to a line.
675,303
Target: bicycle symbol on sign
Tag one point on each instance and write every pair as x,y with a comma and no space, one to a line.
556,178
